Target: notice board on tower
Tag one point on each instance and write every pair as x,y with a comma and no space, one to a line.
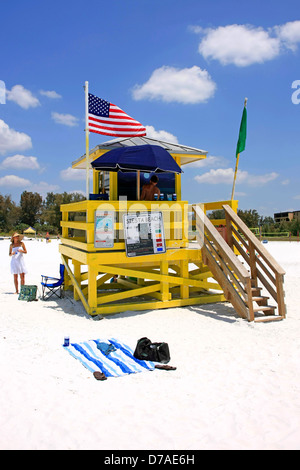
144,233
104,229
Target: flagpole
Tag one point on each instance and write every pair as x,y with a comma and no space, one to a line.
237,162
87,156
235,173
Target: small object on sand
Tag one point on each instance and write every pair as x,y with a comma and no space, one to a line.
99,375
97,317
164,367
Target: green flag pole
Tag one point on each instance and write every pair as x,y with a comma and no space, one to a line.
241,144
235,173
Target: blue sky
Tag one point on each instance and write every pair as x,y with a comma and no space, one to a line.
181,68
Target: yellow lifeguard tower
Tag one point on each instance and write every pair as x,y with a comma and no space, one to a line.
112,236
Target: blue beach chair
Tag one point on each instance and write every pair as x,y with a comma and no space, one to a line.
52,285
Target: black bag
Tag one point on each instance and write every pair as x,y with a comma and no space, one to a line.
156,352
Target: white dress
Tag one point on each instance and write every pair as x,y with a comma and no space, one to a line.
17,264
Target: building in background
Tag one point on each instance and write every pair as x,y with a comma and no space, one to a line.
284,216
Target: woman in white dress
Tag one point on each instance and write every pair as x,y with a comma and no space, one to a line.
17,265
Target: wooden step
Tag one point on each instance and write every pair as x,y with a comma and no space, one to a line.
264,308
260,298
256,288
268,318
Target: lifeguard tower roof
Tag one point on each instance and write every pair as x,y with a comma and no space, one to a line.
187,154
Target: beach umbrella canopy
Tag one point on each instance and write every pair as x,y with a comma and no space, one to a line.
145,158
29,230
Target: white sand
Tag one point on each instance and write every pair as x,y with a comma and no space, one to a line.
236,385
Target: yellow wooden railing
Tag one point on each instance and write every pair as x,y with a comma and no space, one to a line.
78,222
206,207
218,205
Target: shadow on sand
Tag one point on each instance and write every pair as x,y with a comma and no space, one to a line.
218,311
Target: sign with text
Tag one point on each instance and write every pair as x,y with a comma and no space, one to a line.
144,233
104,229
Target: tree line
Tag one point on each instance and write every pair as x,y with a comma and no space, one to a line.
44,214
41,214
266,224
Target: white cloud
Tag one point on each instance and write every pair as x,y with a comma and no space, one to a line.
210,161
195,29
11,140
13,180
43,187
50,94
226,175
223,176
65,119
257,180
243,45
240,45
71,174
152,133
22,97
20,162
78,191
289,34
169,84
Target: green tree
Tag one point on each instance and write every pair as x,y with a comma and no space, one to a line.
295,227
250,217
217,214
51,214
31,205
9,213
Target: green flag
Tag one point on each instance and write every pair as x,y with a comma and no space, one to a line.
243,132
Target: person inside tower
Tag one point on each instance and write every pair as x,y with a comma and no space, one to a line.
149,190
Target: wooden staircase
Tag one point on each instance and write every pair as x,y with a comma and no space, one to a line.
260,305
239,264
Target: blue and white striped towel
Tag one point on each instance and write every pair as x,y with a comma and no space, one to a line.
119,362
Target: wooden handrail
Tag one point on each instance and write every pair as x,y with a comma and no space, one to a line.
267,257
226,268
226,252
256,262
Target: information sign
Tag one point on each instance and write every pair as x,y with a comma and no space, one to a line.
144,233
104,229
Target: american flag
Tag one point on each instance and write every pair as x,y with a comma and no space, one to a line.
107,119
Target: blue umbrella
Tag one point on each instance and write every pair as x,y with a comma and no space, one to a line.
145,158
